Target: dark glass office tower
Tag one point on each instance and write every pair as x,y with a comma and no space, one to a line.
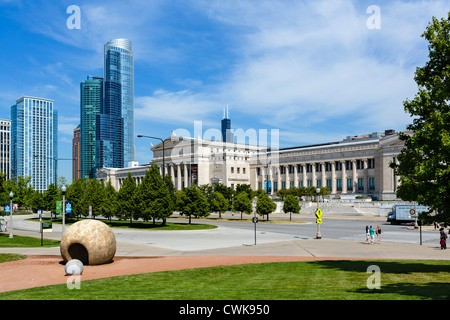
91,98
115,124
227,134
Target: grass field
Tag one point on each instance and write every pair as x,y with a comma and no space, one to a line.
312,280
140,224
27,242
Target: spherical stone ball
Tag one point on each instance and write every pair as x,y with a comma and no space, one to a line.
90,241
74,267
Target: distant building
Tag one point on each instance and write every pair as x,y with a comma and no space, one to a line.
355,166
115,125
91,103
227,133
34,141
76,153
5,147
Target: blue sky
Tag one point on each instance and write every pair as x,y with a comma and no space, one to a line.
311,69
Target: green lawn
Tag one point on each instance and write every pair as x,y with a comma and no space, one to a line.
312,280
5,257
140,224
21,241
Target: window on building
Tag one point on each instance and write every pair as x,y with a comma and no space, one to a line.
329,183
243,170
360,184
339,184
300,183
238,169
349,184
371,183
283,185
318,183
310,183
275,186
232,169
291,184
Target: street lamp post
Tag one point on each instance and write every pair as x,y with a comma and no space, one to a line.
318,235
164,163
11,196
63,190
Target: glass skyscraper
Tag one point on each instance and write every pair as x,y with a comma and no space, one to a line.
115,124
91,98
34,141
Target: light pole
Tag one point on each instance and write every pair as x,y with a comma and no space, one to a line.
63,190
164,163
318,235
11,196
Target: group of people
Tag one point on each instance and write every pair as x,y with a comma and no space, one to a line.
370,234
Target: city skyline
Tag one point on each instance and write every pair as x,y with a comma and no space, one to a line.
315,71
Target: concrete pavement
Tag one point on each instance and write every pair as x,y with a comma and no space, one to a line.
229,241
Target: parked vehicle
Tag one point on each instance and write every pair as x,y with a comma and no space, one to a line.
405,213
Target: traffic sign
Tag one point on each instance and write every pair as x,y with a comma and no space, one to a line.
319,213
255,220
47,226
318,220
412,212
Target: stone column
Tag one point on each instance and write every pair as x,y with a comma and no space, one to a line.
314,178
186,175
305,179
178,185
271,178
344,178
354,177
333,177
172,173
366,176
295,175
287,178
279,177
324,179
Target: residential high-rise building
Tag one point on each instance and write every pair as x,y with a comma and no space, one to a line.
34,141
5,147
91,104
115,124
76,153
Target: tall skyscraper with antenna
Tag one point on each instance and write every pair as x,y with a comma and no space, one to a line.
227,133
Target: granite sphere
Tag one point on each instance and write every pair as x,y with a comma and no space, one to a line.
90,241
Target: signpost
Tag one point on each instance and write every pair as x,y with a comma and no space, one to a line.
255,221
318,221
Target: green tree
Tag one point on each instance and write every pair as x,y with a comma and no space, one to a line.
75,194
218,203
242,203
51,195
93,196
424,163
227,192
265,205
192,202
153,197
126,205
37,201
291,205
108,202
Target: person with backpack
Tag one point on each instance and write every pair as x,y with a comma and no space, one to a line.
443,239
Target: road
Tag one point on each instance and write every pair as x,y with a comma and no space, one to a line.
232,233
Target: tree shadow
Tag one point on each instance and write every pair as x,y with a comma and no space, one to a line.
413,288
427,291
387,266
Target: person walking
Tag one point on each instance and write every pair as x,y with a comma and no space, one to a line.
372,235
378,231
443,239
367,234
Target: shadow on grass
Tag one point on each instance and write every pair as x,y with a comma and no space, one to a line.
386,266
427,291
415,278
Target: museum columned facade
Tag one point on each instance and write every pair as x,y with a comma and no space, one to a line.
357,165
